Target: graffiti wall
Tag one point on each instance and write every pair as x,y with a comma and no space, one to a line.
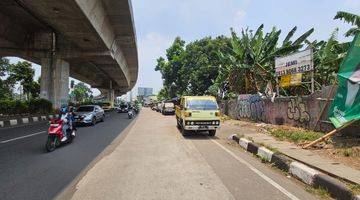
250,106
301,111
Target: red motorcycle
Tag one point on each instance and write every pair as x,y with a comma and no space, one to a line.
56,135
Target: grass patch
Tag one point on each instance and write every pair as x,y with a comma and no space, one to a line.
355,188
239,135
347,152
275,150
295,135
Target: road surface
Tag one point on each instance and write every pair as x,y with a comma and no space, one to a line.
155,162
27,171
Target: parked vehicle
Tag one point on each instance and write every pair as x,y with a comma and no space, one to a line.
198,113
56,135
168,107
89,114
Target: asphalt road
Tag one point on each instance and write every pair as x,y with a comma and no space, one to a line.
157,162
27,171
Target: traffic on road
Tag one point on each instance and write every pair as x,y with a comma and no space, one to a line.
28,171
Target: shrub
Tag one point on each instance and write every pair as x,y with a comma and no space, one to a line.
33,106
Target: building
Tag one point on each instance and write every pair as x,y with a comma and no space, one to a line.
144,92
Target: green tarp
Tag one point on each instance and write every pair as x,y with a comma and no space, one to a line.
346,104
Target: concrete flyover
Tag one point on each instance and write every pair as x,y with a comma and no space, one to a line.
91,40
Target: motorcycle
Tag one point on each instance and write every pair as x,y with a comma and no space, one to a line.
130,114
55,134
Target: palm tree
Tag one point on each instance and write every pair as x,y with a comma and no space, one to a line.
352,19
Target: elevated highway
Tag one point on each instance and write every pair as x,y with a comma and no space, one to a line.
93,41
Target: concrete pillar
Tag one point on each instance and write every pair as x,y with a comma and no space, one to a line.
111,95
54,84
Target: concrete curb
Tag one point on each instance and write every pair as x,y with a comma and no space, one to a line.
265,153
303,172
331,184
299,170
8,123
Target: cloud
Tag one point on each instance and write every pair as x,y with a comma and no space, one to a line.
353,3
239,15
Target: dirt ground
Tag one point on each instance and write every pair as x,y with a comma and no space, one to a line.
339,149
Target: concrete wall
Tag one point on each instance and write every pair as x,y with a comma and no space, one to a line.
301,111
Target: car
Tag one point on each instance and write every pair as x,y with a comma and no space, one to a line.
89,114
168,107
198,113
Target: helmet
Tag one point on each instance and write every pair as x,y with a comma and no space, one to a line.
63,110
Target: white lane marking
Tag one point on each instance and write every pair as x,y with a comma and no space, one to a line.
262,175
22,137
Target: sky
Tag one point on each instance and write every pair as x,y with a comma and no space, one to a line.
158,22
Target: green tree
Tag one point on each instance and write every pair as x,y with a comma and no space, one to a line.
5,92
81,92
171,67
201,63
23,73
352,19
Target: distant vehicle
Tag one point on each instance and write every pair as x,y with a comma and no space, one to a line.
198,113
106,106
168,108
123,108
89,114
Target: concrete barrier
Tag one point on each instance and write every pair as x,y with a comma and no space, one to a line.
244,143
265,153
303,172
306,174
22,121
35,119
252,147
333,186
13,122
25,120
281,161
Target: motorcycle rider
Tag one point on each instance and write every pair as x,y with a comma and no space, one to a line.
67,122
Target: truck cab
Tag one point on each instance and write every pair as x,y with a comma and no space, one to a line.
198,113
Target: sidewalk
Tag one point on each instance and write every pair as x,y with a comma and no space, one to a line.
152,162
295,152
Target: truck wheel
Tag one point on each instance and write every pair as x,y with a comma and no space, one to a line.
212,133
184,132
177,123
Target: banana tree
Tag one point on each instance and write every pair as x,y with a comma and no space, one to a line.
352,19
251,57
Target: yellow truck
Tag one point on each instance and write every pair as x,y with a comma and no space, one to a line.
197,113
